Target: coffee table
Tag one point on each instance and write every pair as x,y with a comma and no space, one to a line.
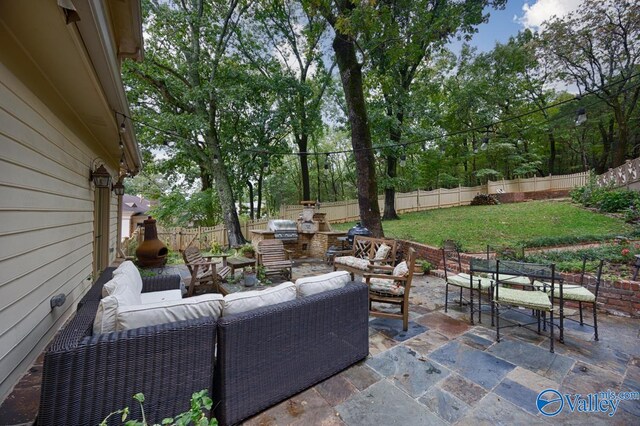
240,262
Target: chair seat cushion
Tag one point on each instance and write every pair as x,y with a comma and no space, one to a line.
308,286
514,279
384,286
528,299
463,280
167,311
353,262
572,292
249,300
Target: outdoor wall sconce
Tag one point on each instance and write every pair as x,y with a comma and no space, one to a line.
118,188
57,300
100,178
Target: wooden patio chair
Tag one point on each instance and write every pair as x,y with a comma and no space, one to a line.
205,274
274,258
393,289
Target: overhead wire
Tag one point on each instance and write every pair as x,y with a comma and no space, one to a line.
446,135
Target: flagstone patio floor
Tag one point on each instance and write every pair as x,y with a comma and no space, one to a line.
443,371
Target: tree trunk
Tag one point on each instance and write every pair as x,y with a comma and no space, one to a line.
351,76
620,148
552,152
225,194
303,142
251,210
259,206
205,178
390,190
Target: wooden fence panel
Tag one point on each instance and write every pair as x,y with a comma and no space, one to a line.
345,211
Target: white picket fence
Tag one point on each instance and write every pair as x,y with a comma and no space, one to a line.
345,211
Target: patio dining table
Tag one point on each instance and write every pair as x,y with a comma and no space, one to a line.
544,274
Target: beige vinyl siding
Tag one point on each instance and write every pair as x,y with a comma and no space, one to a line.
46,225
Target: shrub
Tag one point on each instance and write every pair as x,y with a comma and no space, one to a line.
484,200
425,265
617,200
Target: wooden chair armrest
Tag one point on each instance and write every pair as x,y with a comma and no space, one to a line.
385,277
383,267
223,256
202,263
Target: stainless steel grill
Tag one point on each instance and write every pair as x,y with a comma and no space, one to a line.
285,230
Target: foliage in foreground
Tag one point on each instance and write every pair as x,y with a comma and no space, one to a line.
608,199
197,414
571,260
530,224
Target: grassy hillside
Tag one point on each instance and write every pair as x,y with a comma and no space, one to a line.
532,223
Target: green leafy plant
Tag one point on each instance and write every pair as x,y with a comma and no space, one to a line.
247,250
146,273
261,273
200,404
425,265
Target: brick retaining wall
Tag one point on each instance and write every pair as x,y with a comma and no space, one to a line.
620,298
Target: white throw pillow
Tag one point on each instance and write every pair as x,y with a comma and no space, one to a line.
382,252
249,300
401,269
313,285
122,295
136,316
129,269
122,283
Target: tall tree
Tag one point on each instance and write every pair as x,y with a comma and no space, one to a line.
184,75
295,37
402,39
597,48
343,16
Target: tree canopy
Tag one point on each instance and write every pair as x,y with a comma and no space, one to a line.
243,106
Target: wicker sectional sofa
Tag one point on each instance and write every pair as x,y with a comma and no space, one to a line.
263,357
85,377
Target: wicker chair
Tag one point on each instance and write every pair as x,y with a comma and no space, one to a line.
273,257
456,278
205,274
392,289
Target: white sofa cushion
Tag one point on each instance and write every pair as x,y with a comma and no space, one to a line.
160,296
122,294
249,300
313,285
136,316
128,269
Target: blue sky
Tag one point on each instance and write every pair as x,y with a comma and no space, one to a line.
500,27
517,15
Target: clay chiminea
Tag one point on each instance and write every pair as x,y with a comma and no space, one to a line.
152,252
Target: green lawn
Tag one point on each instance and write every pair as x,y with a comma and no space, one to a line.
535,223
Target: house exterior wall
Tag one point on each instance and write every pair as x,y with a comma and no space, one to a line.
46,224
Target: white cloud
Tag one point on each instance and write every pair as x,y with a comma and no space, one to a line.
541,10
